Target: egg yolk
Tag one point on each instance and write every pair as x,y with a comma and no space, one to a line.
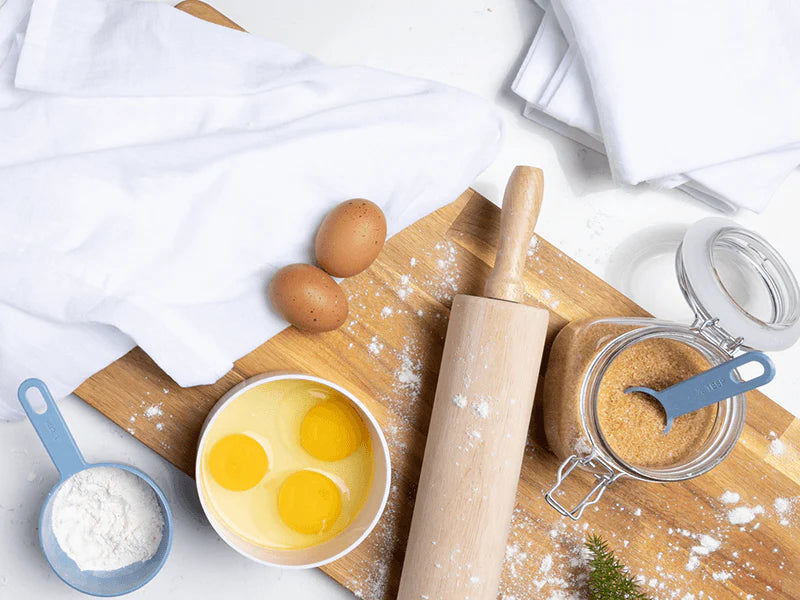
331,431
309,502
238,462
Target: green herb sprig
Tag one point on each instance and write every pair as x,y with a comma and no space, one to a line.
609,579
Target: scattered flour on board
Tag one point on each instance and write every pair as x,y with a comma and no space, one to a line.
514,558
784,507
777,447
730,497
524,555
154,410
445,285
375,346
743,514
404,291
408,376
547,296
707,545
387,311
547,564
692,563
560,573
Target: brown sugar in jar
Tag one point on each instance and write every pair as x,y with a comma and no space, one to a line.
590,421
633,424
743,295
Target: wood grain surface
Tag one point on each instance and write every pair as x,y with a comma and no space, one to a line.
388,354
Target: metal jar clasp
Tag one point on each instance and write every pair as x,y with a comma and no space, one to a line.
605,478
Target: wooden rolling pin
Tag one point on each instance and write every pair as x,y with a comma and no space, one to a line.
480,419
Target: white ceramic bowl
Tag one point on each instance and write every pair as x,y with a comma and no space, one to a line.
335,548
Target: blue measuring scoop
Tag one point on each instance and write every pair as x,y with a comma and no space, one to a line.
66,456
707,388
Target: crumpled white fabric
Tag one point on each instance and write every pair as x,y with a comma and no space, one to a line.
700,96
156,169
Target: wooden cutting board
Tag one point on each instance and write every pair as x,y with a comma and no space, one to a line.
388,354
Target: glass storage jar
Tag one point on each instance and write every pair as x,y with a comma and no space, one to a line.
744,296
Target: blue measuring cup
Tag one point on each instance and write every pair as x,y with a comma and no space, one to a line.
66,456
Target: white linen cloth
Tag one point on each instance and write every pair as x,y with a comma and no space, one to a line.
701,95
155,170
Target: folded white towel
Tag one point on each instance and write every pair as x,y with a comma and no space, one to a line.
696,95
156,169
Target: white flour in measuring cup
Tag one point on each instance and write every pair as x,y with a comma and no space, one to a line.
107,518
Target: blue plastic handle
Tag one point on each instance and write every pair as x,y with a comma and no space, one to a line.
710,387
52,430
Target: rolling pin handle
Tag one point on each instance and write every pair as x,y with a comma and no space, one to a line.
521,203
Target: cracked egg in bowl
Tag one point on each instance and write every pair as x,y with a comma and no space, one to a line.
292,470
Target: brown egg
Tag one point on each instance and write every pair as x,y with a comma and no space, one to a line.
350,237
308,298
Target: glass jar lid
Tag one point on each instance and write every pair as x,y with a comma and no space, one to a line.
738,284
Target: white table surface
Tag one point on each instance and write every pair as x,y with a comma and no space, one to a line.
472,44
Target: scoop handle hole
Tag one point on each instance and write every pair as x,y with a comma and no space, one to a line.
37,401
752,370
51,429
